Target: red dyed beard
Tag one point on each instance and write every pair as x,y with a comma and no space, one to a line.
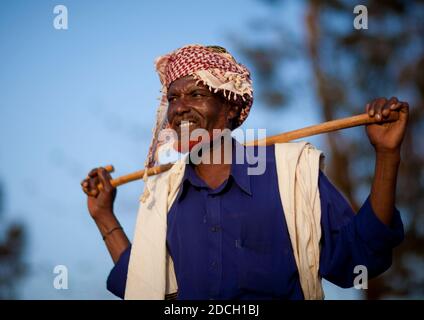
191,144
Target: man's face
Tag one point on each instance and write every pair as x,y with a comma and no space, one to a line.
196,104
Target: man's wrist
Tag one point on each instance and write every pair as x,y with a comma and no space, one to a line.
386,155
106,222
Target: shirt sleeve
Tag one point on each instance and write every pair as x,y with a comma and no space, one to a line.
117,279
349,240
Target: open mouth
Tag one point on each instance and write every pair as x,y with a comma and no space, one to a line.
186,124
184,129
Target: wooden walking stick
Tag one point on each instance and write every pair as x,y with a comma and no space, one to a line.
329,126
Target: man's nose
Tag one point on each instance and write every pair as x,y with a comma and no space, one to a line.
181,106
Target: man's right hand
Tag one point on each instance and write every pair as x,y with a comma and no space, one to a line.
100,206
100,202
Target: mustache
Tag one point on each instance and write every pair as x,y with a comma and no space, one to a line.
177,120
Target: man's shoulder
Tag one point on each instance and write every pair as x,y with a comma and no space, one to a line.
296,147
265,152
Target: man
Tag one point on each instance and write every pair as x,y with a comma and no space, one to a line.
212,231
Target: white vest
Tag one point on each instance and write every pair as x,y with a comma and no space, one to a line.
151,272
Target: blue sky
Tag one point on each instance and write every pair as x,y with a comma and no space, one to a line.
83,97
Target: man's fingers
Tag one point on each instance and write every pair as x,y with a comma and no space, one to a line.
396,106
105,178
404,107
370,109
90,192
375,105
96,176
93,173
404,112
84,183
92,187
92,184
392,100
385,112
379,108
107,174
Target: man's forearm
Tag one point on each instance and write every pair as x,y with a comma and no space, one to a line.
383,191
116,241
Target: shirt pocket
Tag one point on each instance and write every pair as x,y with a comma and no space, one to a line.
256,267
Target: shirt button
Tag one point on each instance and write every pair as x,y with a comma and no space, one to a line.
215,229
238,243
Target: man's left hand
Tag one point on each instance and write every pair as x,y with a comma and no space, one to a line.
387,137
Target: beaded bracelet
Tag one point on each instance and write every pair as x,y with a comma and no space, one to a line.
109,232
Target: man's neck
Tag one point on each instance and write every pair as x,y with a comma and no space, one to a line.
218,169
213,174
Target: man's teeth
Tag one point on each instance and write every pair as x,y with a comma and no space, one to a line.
186,124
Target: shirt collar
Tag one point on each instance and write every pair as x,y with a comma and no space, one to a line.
239,173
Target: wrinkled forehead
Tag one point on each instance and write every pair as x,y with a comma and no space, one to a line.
185,83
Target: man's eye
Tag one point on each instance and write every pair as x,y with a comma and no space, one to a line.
170,99
197,94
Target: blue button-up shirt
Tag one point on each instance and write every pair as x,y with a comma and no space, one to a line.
232,242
